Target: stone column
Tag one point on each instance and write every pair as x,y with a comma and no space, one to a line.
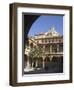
50,48
36,63
51,58
43,57
43,62
57,47
32,64
44,48
28,63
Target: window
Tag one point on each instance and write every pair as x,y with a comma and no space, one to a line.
61,47
54,48
45,41
42,41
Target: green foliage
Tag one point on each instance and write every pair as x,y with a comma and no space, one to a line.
36,52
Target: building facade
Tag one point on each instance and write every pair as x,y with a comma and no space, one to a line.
50,46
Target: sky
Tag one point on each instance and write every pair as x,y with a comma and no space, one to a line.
45,22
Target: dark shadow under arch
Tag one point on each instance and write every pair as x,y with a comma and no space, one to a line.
28,20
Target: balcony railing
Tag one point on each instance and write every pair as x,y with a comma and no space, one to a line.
53,52
49,42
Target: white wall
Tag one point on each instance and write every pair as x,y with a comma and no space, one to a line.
4,46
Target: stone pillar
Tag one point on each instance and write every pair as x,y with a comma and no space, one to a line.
57,47
43,63
36,63
28,63
51,58
44,48
50,48
43,57
32,64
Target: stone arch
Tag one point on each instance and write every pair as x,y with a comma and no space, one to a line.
60,64
40,60
47,59
28,21
37,62
47,62
55,59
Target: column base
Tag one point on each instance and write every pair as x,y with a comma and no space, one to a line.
28,69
